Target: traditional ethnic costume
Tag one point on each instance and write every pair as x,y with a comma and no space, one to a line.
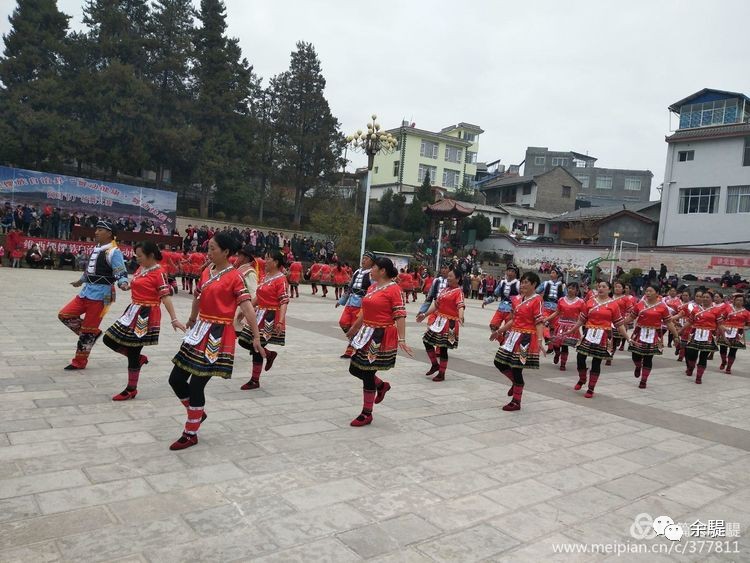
352,301
272,294
442,334
520,347
376,344
647,337
295,276
568,313
598,319
551,292
626,303
208,348
438,284
504,291
83,315
703,326
139,325
733,337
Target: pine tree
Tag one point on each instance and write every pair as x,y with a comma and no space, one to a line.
309,138
264,110
424,193
169,69
119,95
223,88
32,93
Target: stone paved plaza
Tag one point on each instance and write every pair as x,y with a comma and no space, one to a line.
442,474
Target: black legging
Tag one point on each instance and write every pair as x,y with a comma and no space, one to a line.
516,372
596,363
367,377
646,361
133,353
732,351
564,349
691,354
187,386
257,358
442,351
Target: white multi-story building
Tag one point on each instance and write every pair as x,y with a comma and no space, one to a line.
705,198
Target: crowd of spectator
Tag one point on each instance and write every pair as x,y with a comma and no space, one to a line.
304,249
55,223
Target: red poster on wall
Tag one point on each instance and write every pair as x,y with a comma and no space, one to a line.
731,261
73,245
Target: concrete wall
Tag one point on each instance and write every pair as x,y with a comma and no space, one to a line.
717,162
630,229
599,198
549,188
680,261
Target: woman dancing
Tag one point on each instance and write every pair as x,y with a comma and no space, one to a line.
376,335
442,334
140,323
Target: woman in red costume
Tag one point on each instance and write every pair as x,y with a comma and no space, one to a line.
340,279
703,322
733,337
208,348
524,331
625,302
376,335
295,276
442,334
650,315
271,301
600,314
140,324
569,310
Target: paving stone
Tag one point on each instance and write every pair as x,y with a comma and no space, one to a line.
473,544
530,522
43,552
33,530
18,508
463,512
522,493
73,498
326,493
312,524
162,506
31,484
196,476
322,551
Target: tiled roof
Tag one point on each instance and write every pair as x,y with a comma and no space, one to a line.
449,206
507,181
528,212
602,212
735,130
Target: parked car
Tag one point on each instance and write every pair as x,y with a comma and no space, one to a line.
541,239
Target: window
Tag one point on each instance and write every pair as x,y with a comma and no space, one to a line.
559,161
604,182
424,170
699,200
428,149
450,178
396,165
633,184
376,170
527,190
584,181
453,154
529,228
579,163
471,157
469,136
738,199
719,112
509,196
746,156
566,191
542,228
539,161
497,222
684,156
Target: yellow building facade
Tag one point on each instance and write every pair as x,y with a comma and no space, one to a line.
449,156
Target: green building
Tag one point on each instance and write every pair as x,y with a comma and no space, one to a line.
448,156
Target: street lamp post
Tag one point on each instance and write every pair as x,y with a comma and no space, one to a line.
440,240
614,258
370,142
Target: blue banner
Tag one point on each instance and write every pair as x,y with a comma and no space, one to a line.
92,197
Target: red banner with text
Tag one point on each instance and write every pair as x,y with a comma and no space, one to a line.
730,261
74,246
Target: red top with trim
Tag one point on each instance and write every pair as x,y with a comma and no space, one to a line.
570,311
449,301
148,289
382,306
272,292
736,318
219,297
601,315
527,313
651,316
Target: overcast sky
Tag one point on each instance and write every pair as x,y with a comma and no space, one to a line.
591,76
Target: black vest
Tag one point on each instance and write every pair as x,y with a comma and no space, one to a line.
547,288
103,274
513,290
